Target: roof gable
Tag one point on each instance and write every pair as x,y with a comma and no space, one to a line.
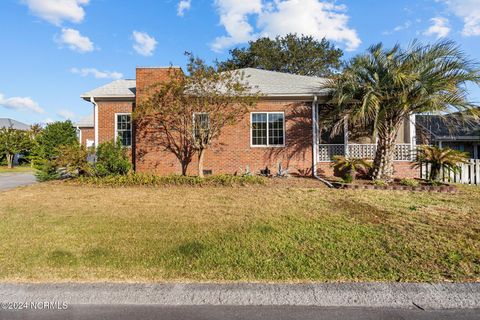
7,123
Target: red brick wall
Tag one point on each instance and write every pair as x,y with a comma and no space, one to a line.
87,133
232,152
146,77
402,170
106,117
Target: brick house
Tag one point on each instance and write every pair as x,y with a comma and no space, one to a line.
282,130
85,130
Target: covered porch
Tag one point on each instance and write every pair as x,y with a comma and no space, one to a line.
357,142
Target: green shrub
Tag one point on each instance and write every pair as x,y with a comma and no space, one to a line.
46,171
409,182
72,161
50,139
347,178
138,179
380,183
348,168
111,159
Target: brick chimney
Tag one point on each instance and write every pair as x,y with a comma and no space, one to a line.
147,77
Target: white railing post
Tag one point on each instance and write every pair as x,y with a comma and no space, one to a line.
413,137
345,138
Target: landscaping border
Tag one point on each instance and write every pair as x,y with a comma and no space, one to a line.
436,189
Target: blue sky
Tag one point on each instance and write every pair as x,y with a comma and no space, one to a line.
54,50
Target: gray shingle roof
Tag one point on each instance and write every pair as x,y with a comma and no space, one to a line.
115,89
268,83
451,125
7,123
85,122
271,83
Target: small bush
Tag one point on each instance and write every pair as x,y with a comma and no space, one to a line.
380,183
111,159
138,179
72,161
409,182
348,168
347,178
46,171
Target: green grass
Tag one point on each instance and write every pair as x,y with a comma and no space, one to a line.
5,169
64,232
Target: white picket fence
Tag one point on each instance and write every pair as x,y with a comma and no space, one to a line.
469,173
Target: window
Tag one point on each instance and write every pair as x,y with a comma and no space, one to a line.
123,128
201,125
268,128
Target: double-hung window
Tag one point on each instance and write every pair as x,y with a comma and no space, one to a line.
123,128
201,125
268,129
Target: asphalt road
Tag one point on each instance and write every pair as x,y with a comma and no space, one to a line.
116,312
13,180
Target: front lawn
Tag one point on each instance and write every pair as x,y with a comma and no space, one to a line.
63,232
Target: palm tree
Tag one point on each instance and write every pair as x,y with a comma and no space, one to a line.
383,87
439,158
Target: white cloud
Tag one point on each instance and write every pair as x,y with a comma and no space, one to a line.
66,114
57,11
183,5
75,41
469,11
398,28
234,18
48,120
84,72
144,44
20,104
439,28
279,17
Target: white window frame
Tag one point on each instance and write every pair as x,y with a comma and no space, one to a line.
267,145
193,121
131,126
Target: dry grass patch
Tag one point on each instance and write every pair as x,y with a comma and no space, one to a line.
56,231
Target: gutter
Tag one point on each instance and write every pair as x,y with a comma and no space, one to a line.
315,142
95,119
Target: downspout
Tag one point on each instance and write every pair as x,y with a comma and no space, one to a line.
315,141
95,120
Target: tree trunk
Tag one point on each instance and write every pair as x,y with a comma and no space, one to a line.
200,162
434,172
383,163
10,160
184,168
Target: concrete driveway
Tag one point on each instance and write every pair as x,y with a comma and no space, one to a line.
13,180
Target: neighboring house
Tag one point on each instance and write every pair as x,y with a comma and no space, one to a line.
86,131
450,131
282,130
7,123
10,123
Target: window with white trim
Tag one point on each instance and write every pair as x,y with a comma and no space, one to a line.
123,128
268,128
201,124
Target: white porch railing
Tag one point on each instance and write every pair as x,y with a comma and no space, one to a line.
403,151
